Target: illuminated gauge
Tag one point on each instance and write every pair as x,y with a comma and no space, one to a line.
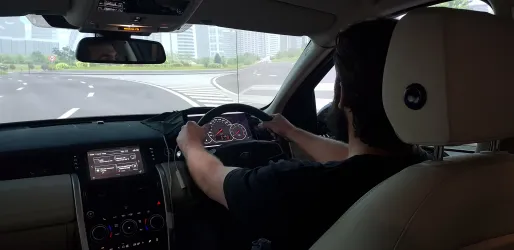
208,139
238,131
219,130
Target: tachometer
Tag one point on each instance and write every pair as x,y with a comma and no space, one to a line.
219,130
238,131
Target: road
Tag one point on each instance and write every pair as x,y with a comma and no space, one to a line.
259,83
25,97
61,95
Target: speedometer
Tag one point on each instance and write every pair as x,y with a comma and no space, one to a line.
238,131
219,130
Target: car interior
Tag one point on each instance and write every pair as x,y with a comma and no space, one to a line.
445,84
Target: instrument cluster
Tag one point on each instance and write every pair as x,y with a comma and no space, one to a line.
226,128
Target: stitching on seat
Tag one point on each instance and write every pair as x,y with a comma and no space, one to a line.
435,187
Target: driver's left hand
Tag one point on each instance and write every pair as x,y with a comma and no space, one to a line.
191,135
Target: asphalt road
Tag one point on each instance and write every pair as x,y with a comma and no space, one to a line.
26,97
259,83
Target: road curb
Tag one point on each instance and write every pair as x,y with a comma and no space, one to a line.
230,93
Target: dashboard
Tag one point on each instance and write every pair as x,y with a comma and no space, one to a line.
114,180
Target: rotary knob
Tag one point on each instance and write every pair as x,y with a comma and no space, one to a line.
156,222
99,232
129,227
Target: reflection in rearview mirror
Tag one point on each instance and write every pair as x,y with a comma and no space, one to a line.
131,51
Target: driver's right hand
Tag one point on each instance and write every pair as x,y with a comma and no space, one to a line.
279,125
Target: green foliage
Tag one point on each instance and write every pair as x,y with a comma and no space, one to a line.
186,63
19,59
64,55
247,58
215,66
204,61
60,66
176,64
291,53
217,59
455,4
7,59
30,65
81,64
12,67
38,57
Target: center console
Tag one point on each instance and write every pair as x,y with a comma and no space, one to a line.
120,201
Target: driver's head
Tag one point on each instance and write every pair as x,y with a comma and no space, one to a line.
359,59
102,52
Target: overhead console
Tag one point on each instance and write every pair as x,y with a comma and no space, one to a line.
134,16
120,200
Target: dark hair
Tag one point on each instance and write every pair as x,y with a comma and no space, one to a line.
360,58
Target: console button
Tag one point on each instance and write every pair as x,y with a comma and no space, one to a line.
156,222
129,227
99,232
90,214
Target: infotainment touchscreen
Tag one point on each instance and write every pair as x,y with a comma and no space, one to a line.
115,162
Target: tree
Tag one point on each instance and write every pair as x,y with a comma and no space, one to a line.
30,65
19,59
65,55
455,4
12,67
217,58
7,59
38,57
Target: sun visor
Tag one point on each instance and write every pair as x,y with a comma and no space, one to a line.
132,16
449,78
25,7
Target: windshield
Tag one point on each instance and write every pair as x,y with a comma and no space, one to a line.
206,66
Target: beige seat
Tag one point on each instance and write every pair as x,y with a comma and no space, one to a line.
462,60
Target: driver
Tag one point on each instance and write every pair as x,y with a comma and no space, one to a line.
292,203
103,52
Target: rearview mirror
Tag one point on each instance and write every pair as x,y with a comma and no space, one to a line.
117,51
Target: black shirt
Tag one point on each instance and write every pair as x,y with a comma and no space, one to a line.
292,203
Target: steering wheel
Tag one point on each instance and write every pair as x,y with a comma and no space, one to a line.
233,107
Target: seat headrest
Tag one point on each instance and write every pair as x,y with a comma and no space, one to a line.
449,77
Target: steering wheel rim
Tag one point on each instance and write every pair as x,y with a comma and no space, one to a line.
233,107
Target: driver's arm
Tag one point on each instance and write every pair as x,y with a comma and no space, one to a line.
320,148
206,170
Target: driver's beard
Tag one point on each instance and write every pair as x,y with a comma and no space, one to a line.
337,123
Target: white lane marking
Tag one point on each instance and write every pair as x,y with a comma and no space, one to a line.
190,101
9,78
68,113
20,81
201,93
91,87
215,83
272,75
19,88
54,77
214,101
211,97
24,83
193,89
39,76
211,105
82,82
1,96
70,79
257,74
91,94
